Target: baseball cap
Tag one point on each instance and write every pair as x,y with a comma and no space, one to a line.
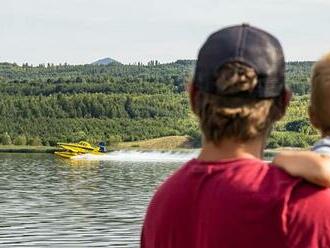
248,45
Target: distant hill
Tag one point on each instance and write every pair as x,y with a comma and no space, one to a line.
105,61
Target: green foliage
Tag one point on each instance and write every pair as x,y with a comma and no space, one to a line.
114,139
66,103
34,141
291,139
297,125
5,139
20,140
195,137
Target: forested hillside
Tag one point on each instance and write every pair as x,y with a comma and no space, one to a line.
51,103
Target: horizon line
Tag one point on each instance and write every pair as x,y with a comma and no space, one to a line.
132,63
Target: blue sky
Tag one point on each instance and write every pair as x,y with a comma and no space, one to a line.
81,31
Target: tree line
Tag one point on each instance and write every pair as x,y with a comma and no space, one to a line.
46,104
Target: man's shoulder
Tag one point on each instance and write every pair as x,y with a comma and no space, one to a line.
307,216
305,213
306,196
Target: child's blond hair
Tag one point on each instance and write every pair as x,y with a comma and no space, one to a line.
320,96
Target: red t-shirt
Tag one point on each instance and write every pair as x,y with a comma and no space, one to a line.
236,203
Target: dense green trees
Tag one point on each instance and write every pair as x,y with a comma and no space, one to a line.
94,106
51,103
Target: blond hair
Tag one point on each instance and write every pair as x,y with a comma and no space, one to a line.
320,96
242,119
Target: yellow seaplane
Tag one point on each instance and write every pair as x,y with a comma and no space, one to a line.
69,150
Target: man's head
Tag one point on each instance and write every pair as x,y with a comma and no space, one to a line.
238,88
320,98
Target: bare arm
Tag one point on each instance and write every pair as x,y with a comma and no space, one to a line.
311,166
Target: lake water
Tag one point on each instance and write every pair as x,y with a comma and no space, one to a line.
49,202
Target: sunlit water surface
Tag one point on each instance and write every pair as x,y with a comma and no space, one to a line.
49,202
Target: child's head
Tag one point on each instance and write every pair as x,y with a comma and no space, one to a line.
320,97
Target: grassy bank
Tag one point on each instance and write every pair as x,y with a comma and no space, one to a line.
163,143
28,149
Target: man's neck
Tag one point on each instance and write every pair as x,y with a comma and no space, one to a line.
232,149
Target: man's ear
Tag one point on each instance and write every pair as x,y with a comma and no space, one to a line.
192,90
287,95
313,117
282,103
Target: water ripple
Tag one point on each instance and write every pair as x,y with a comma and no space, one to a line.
47,202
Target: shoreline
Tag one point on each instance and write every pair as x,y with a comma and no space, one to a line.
52,149
27,149
161,144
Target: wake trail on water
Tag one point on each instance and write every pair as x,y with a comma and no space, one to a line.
141,156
